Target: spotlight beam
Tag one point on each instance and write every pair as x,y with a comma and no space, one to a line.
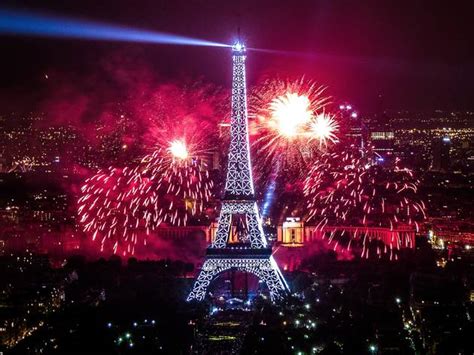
17,23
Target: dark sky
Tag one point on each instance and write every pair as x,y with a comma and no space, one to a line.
411,54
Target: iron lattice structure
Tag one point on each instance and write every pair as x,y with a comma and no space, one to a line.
252,254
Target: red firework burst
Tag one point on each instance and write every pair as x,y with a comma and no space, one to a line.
347,189
107,210
290,125
122,206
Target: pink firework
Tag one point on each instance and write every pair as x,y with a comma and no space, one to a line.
107,209
347,190
120,207
191,112
181,181
290,124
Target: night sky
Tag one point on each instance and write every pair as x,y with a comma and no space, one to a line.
375,54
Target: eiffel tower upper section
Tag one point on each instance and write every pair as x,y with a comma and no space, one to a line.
239,182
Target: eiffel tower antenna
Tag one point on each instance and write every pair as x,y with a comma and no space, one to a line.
252,253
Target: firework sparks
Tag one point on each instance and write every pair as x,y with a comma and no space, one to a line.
346,189
107,210
122,206
290,126
289,114
184,185
178,149
323,128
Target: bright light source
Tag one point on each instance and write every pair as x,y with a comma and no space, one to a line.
238,47
323,128
290,112
40,25
178,149
354,114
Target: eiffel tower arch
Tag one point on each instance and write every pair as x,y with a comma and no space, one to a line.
252,253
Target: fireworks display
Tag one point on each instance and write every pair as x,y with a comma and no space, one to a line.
290,124
292,133
323,128
347,189
183,184
121,206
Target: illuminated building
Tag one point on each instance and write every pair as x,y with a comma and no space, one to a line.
355,128
382,137
383,143
291,232
295,238
239,208
441,154
294,232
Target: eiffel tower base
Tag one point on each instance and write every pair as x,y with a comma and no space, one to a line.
257,261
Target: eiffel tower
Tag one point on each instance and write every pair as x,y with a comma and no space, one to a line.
251,253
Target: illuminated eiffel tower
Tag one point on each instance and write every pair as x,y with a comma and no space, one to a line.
239,208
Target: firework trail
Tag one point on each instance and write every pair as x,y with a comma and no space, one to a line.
106,210
182,182
290,125
347,189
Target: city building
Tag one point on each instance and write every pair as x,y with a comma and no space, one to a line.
441,160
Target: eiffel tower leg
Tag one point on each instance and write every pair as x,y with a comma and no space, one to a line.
223,230
269,273
208,272
257,238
